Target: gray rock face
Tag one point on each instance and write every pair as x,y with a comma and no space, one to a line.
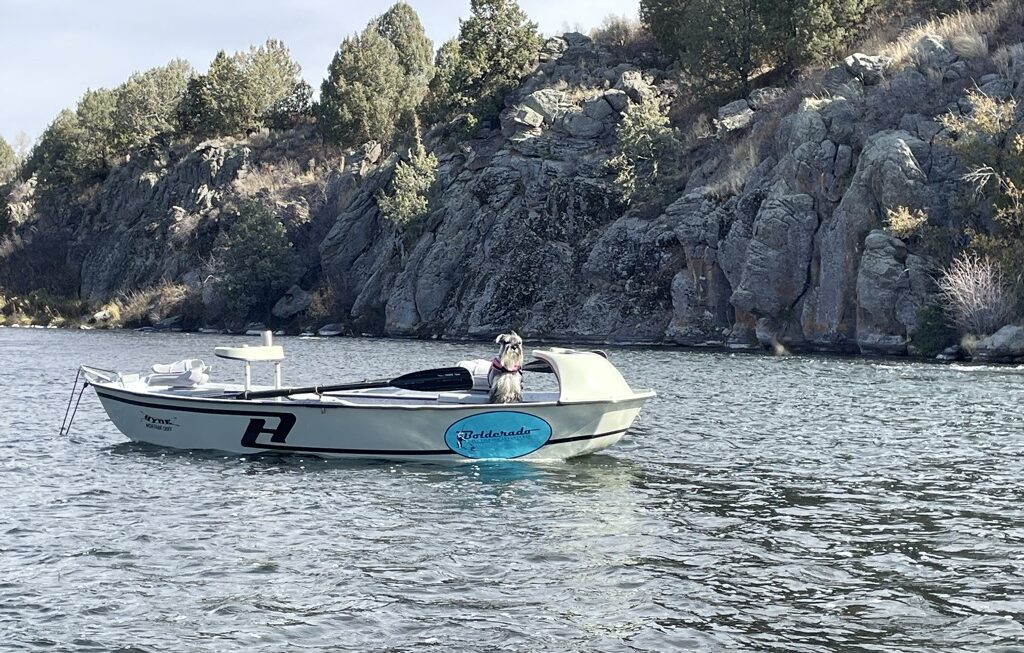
770,237
1004,346
868,69
581,125
888,175
633,84
881,281
931,52
527,116
292,303
549,103
762,98
617,99
735,115
778,256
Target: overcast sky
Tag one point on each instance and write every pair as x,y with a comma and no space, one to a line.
51,51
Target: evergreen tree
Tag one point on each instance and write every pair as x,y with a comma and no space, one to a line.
647,151
495,45
443,94
94,144
54,158
146,105
402,27
257,261
8,160
725,43
360,99
410,187
241,92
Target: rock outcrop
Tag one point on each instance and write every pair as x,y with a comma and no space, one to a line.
527,230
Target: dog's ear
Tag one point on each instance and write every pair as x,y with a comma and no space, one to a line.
500,339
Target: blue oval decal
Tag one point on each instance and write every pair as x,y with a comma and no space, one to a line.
498,434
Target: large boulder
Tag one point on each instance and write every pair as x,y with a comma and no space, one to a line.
633,84
1004,346
735,115
580,125
868,69
551,104
762,98
292,303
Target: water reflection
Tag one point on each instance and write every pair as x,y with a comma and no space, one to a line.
799,504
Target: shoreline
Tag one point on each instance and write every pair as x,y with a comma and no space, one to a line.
766,351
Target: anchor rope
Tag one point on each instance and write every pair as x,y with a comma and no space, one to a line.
66,430
70,399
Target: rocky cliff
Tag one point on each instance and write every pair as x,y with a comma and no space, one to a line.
774,237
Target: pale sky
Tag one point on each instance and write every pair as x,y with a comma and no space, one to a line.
51,51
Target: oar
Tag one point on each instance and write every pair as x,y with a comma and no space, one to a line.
445,379
545,368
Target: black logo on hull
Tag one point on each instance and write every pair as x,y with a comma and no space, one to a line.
258,425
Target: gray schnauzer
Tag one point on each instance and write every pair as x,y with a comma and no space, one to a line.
505,376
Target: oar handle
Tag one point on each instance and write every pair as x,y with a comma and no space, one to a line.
445,379
311,389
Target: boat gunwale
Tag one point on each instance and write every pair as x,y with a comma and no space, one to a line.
312,403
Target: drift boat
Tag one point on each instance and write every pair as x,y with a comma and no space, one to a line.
441,414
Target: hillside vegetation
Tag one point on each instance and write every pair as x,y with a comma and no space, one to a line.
706,176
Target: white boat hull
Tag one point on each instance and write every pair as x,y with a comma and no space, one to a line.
342,429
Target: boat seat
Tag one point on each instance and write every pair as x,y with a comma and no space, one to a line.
479,370
182,374
251,354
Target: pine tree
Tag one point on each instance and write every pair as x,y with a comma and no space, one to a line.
402,27
360,99
146,105
443,95
495,46
242,92
257,261
8,160
725,43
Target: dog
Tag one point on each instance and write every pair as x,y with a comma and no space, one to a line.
505,377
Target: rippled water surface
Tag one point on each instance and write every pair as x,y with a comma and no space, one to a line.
768,504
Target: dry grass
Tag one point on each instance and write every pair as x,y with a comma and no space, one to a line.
581,94
966,33
734,171
42,308
1007,58
150,305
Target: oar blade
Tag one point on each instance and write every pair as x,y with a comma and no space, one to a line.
445,379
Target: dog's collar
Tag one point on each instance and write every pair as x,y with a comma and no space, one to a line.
496,364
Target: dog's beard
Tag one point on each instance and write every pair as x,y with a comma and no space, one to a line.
511,358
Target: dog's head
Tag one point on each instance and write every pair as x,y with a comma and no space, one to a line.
511,354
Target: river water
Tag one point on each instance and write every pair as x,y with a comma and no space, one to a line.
761,504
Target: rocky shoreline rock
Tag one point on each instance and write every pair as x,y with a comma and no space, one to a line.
785,247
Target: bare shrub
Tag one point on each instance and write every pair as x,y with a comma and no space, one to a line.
977,295
624,36
904,223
